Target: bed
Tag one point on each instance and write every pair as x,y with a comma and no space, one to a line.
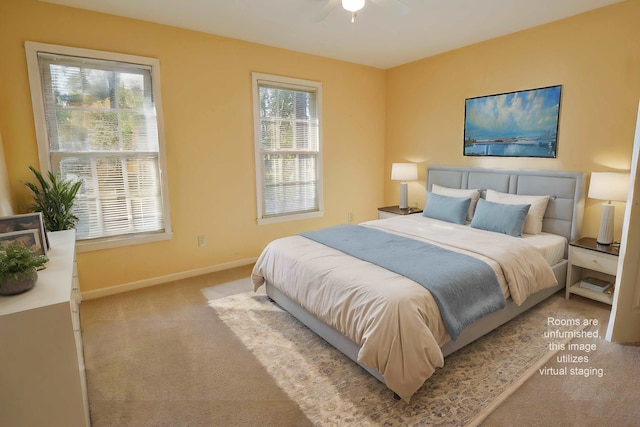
383,318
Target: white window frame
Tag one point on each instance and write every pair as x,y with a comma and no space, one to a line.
32,49
285,83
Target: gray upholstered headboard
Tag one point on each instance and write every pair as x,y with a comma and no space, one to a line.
567,191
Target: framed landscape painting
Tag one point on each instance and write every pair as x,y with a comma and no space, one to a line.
29,238
24,228
514,124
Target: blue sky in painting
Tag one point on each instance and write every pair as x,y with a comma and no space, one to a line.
517,114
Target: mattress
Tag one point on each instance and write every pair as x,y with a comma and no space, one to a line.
552,247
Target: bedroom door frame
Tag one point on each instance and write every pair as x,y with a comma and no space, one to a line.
625,314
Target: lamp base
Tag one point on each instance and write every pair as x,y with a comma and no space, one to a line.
404,204
605,235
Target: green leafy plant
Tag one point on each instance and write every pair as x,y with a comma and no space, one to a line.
17,258
54,198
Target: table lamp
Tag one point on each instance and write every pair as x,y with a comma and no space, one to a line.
404,172
610,186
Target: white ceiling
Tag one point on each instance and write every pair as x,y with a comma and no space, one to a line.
384,33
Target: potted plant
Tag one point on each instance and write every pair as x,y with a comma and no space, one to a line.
54,198
18,268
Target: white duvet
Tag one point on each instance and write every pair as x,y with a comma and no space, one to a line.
394,320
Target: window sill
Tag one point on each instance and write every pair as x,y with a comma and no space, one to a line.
120,241
293,217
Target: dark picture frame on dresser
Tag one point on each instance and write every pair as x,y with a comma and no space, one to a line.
26,228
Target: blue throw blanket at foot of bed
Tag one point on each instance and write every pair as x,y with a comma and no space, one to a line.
465,288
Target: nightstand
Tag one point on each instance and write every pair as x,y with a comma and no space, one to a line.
389,211
588,258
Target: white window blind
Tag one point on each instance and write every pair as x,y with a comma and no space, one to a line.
102,128
288,156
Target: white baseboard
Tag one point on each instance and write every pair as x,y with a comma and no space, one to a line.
112,290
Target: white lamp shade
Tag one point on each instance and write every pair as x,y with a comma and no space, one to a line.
404,171
353,5
612,186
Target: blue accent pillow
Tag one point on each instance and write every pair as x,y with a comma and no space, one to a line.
446,208
501,218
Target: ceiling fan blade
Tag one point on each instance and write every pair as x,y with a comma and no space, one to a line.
397,6
326,10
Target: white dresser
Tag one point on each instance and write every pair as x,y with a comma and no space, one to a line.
42,376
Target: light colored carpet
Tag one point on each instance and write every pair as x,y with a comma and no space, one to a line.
332,390
160,356
227,289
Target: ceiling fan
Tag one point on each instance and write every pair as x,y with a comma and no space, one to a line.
353,6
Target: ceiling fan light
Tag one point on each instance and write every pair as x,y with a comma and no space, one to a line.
353,5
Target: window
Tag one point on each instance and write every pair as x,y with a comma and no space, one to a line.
98,119
287,148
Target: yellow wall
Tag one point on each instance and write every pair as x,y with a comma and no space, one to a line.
594,56
206,91
372,118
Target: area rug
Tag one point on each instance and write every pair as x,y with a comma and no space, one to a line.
332,390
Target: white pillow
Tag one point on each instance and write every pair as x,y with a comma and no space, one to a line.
533,222
458,192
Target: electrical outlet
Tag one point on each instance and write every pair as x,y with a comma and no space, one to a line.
349,218
201,240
